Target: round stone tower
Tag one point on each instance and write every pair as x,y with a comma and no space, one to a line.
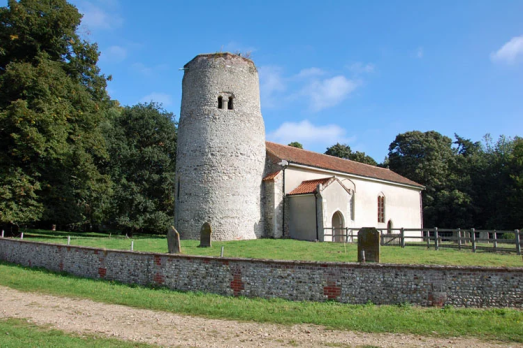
221,149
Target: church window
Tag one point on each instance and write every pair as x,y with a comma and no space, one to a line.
178,189
220,102
229,104
381,208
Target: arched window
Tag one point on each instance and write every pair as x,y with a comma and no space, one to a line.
230,105
381,208
220,102
389,227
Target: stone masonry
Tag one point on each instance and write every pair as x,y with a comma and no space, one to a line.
293,280
221,149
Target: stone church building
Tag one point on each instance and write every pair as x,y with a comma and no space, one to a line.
247,188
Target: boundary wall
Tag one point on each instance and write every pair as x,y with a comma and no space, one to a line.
293,280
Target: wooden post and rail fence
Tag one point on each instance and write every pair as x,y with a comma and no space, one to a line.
485,240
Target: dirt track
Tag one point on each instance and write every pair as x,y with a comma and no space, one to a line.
171,330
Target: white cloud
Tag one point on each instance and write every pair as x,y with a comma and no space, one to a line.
329,92
309,134
95,17
419,52
310,72
360,68
509,52
162,98
271,83
114,54
309,85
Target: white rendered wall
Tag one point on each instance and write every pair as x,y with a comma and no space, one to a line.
402,204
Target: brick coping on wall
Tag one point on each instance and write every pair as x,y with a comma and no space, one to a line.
286,262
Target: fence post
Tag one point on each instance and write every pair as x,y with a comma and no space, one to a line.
132,245
473,237
436,238
428,239
459,238
495,241
402,236
518,241
68,240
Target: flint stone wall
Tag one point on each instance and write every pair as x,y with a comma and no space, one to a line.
220,152
292,280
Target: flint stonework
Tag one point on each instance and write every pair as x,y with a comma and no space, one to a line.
221,154
368,245
357,283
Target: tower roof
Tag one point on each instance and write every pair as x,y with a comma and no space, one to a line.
230,57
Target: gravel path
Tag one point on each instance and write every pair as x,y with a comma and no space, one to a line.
172,330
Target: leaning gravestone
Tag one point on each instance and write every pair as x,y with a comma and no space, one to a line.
368,245
173,241
205,236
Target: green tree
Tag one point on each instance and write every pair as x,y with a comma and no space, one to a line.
339,150
428,158
344,151
142,147
296,144
362,158
52,101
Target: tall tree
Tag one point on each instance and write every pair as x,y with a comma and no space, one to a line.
427,158
52,101
142,147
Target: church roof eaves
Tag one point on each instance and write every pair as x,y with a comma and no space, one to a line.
271,176
309,186
314,159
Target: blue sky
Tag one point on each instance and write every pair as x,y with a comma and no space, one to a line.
355,72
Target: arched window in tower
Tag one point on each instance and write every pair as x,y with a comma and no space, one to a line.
230,105
381,208
220,102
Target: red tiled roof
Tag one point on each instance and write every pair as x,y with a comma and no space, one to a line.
271,176
309,186
314,159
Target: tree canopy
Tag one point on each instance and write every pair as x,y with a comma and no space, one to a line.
142,148
296,144
344,151
52,100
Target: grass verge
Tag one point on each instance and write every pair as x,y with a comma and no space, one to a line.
17,333
285,249
491,324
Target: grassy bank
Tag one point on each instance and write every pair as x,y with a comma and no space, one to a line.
16,333
500,324
284,249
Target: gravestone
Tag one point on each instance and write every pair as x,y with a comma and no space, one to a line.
173,241
205,236
368,245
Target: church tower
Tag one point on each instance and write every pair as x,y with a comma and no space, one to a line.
221,149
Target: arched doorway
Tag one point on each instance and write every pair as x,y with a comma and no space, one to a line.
338,227
389,227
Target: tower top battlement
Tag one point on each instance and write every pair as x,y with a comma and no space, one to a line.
211,59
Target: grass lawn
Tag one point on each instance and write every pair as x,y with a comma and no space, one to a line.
16,333
500,324
285,249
